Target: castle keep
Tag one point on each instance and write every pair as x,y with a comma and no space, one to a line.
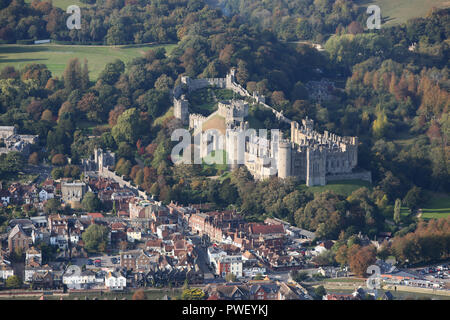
307,156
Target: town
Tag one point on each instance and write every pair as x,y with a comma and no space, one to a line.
142,243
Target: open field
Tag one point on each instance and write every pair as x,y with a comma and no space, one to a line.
399,11
437,207
56,56
344,187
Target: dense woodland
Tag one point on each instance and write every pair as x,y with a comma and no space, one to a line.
394,99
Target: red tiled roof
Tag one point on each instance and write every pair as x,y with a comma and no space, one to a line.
95,215
266,229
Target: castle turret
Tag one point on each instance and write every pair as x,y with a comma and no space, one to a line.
284,159
181,110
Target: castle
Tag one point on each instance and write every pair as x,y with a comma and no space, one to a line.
307,156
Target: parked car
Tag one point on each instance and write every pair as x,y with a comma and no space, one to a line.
90,262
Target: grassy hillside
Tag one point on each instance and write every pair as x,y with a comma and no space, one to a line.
56,56
437,207
399,11
344,187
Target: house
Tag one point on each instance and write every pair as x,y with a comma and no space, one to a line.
154,245
33,254
6,270
18,239
33,267
43,280
59,231
115,280
252,268
227,292
133,235
40,235
264,291
144,261
323,246
39,221
128,259
74,278
230,264
45,195
5,197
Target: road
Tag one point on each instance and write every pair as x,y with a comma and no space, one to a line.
105,262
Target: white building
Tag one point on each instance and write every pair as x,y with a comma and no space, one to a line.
133,235
214,254
115,281
165,227
74,278
230,264
5,269
44,195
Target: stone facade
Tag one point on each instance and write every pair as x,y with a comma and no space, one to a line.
101,160
73,193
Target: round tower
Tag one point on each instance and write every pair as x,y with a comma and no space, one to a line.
284,159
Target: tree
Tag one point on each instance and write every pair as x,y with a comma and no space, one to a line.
59,160
85,75
13,282
413,198
139,295
112,72
319,292
360,258
95,238
127,127
397,209
230,277
52,206
258,276
33,158
193,294
341,255
299,276
72,75
47,115
90,202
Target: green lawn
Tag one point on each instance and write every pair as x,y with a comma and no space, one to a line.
215,167
344,187
63,4
204,101
437,207
161,119
399,11
56,56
